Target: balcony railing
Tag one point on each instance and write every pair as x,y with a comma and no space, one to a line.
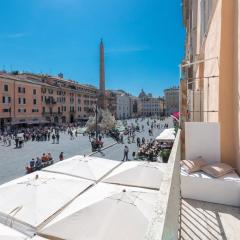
165,225
50,100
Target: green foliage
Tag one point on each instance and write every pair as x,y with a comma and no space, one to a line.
165,153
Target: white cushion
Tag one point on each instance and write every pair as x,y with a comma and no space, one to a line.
202,187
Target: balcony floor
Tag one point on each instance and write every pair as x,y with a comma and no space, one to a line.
209,221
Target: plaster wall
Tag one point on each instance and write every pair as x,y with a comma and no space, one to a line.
237,85
202,139
211,68
226,83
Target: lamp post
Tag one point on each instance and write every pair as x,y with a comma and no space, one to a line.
96,111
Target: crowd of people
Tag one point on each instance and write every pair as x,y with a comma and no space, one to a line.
40,162
150,150
130,133
36,134
147,149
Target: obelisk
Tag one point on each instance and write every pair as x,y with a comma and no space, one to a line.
101,99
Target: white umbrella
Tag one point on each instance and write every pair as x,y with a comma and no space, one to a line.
7,233
105,212
81,130
92,168
38,238
137,174
32,199
167,135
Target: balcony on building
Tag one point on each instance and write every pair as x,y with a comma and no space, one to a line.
210,207
50,100
197,207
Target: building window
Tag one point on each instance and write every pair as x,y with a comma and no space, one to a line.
43,109
34,91
21,100
21,90
34,101
6,109
5,88
50,91
22,110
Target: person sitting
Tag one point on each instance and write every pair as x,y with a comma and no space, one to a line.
44,157
32,163
50,157
38,164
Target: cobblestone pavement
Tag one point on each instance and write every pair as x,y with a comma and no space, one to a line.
13,161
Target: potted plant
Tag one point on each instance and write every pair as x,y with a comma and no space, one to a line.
164,154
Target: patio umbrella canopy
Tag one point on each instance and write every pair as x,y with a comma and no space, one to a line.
92,168
167,135
81,130
137,174
7,233
105,212
37,238
32,199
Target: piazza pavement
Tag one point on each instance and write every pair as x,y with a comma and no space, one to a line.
13,160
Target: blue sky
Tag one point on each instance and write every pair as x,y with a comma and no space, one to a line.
143,39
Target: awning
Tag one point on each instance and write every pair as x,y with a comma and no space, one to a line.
168,135
106,211
92,168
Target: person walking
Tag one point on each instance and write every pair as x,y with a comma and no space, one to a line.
126,150
61,156
138,142
121,138
57,137
53,138
9,141
71,135
16,142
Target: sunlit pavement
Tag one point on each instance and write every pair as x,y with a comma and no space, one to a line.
116,152
13,161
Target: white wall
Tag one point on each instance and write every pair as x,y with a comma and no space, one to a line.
123,106
202,139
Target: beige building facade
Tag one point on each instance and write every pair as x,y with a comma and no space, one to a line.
210,71
150,106
171,97
33,99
